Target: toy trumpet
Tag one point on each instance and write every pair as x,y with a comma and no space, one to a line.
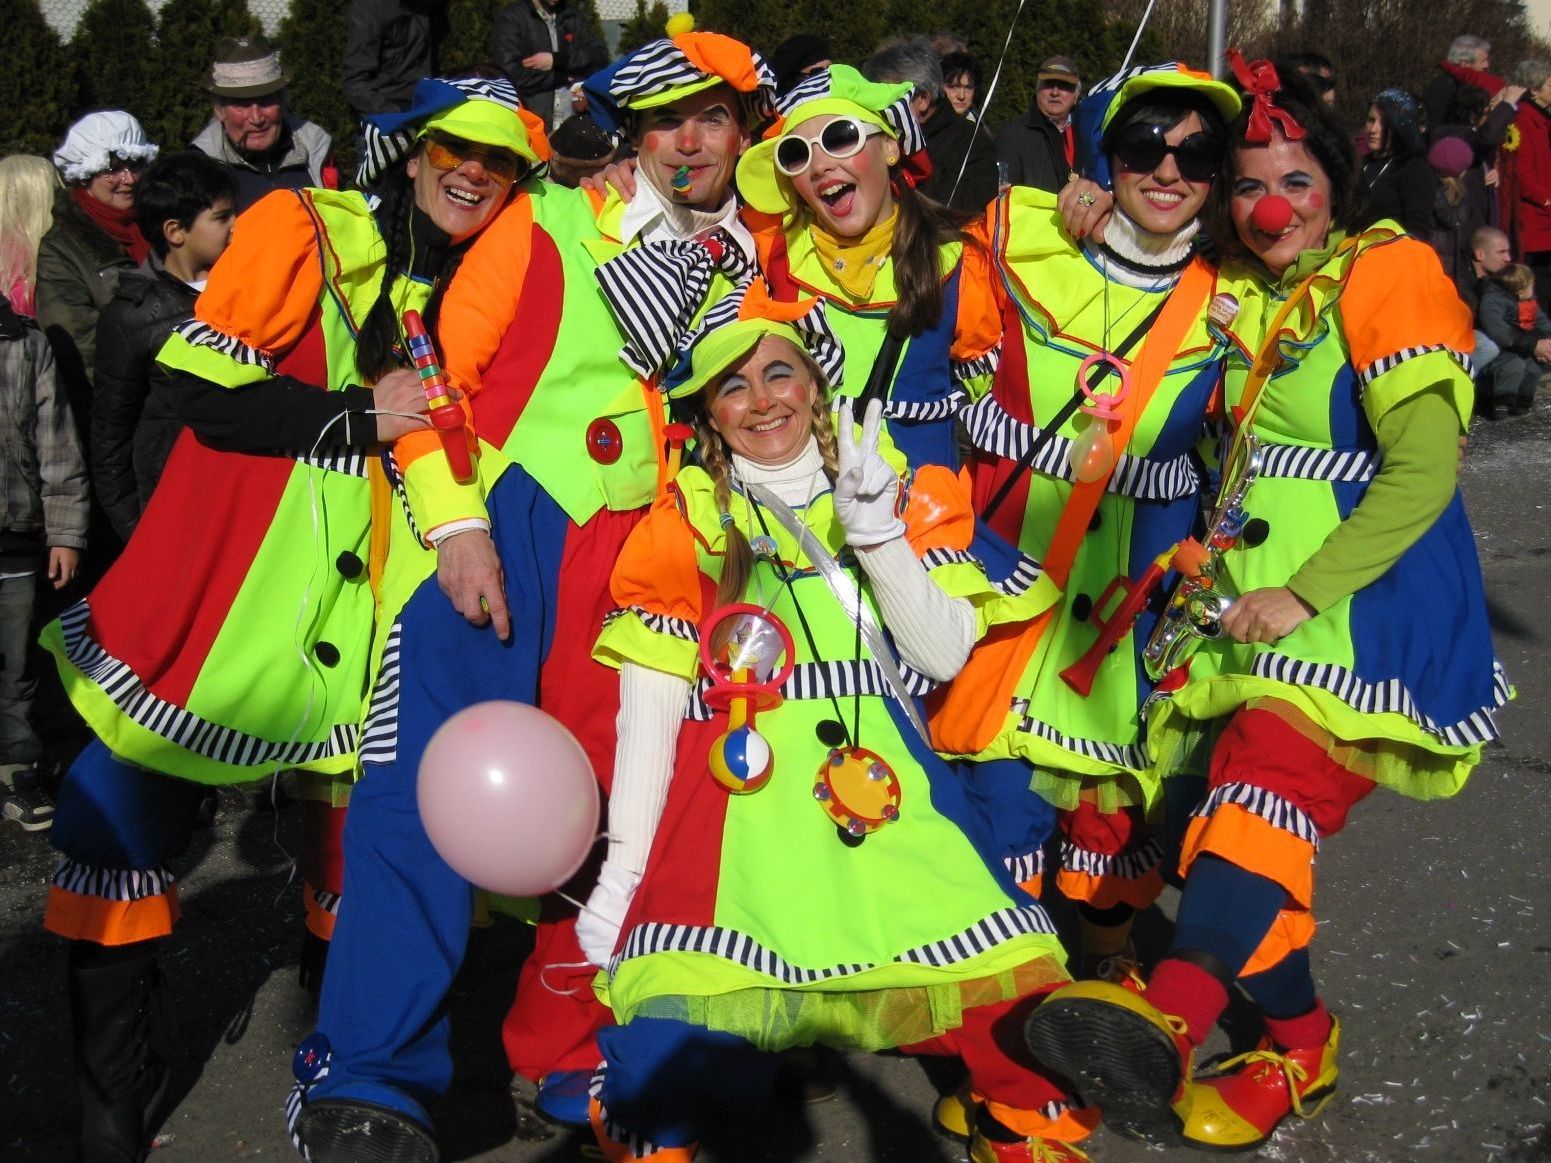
1080,675
445,415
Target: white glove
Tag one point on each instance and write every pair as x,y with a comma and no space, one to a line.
866,488
597,929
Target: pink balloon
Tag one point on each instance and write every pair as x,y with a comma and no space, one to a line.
508,798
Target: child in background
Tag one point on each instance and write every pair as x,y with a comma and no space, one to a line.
185,205
1510,318
45,497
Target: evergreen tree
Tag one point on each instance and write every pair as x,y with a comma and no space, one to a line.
646,25
468,36
37,85
114,49
187,32
312,44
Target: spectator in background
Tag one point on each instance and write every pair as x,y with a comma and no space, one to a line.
1489,254
262,145
1450,159
945,43
93,241
961,83
798,57
27,188
547,49
1479,122
1039,148
1465,52
1524,163
44,527
185,205
389,46
579,149
1316,69
1401,185
1511,319
952,143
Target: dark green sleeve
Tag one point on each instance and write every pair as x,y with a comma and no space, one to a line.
1419,442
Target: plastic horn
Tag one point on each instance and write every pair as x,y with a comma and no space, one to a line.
446,417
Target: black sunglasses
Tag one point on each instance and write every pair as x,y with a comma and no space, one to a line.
1142,148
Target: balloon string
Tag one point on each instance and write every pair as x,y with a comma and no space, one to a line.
576,991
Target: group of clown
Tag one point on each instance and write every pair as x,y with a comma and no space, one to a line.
778,475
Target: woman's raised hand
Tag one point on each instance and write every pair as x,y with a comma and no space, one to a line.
1084,206
866,487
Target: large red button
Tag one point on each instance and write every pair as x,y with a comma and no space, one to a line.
604,443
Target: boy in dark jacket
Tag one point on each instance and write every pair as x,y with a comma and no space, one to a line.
184,205
1511,318
43,489
546,48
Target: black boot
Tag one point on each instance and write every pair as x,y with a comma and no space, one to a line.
112,990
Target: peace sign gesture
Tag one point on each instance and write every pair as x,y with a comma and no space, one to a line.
867,490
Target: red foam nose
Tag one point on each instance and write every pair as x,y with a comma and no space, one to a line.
1272,214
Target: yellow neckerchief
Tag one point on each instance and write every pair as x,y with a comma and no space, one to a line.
855,263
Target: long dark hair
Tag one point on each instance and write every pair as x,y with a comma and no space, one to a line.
1324,139
374,348
923,229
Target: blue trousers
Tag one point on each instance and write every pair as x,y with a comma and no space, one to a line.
404,919
664,1079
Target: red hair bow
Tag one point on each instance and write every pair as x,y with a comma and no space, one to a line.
1259,81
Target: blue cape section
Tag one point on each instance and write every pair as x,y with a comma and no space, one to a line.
432,96
601,105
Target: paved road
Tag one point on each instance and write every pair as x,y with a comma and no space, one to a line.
1435,948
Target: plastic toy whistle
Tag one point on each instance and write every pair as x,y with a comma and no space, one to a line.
445,415
748,654
1093,453
680,182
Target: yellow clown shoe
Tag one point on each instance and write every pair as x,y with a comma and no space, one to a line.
984,1150
1121,1054
1238,1109
954,1114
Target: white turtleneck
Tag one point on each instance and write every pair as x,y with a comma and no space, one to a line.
1138,257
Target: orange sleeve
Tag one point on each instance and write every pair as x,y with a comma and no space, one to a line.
979,327
1397,298
265,287
658,569
937,511
479,306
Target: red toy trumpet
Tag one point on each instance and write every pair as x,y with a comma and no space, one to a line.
445,415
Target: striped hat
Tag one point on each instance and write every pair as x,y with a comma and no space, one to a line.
735,326
478,109
663,71
839,89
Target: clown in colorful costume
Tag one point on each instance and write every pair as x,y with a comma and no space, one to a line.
1355,652
1138,298
905,934
572,442
258,655
844,250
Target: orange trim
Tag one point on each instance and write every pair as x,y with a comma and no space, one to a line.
1034,885
265,289
976,704
1292,930
1105,892
79,917
382,499
1072,1126
319,921
1245,840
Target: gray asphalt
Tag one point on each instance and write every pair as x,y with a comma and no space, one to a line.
1434,948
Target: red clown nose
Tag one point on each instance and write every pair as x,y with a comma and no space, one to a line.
1272,214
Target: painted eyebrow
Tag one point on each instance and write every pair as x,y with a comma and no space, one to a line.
778,366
